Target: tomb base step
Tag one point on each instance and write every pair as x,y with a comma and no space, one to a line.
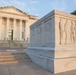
55,61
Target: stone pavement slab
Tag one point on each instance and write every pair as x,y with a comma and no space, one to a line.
28,68
4,70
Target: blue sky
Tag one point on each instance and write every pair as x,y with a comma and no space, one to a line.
41,7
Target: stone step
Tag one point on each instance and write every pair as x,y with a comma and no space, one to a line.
12,58
6,59
4,56
5,53
8,62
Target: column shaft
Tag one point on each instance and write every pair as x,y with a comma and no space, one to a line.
0,28
7,29
20,30
14,30
27,30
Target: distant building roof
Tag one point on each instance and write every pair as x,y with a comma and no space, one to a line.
30,16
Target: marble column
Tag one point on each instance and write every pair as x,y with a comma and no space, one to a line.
20,30
0,28
7,29
14,30
25,31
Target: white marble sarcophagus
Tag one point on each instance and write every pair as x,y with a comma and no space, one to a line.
53,42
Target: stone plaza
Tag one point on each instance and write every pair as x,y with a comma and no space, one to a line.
28,69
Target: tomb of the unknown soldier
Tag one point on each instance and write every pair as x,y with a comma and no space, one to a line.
53,42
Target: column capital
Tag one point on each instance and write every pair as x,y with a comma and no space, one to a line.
20,19
14,19
7,18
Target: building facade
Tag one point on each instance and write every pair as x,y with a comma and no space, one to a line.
14,24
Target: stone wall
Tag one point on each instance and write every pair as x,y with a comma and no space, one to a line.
42,32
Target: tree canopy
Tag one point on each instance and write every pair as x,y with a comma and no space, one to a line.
74,12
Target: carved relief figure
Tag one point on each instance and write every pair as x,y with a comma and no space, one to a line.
63,33
60,31
72,28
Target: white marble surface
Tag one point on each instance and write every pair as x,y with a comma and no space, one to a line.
53,42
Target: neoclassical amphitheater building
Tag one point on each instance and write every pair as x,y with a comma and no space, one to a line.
15,24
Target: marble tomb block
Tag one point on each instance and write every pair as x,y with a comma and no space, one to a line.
53,42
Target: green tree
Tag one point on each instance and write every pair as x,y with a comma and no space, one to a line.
74,12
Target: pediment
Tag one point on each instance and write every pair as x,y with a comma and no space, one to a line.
12,10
